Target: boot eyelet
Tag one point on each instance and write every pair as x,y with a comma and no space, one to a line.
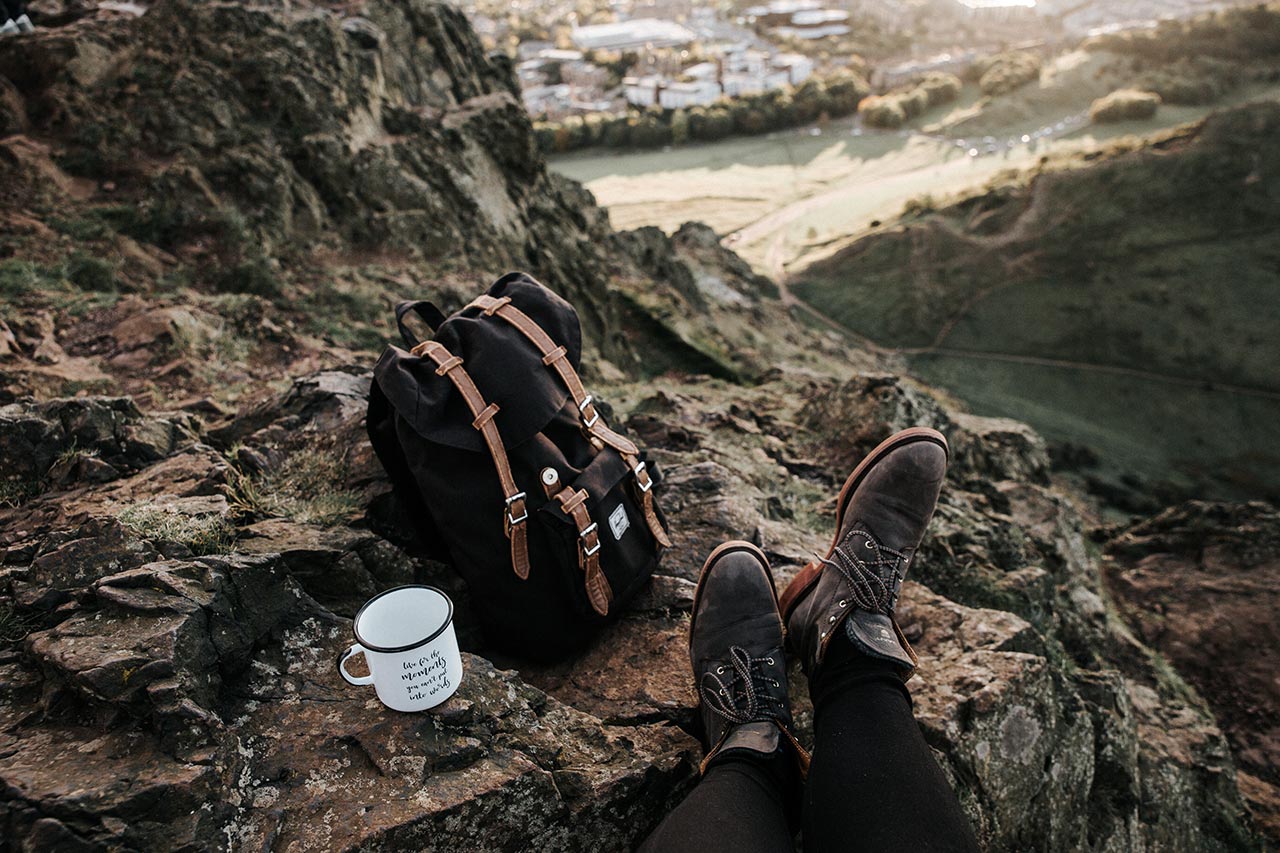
769,661
833,618
824,636
844,603
866,543
719,670
775,682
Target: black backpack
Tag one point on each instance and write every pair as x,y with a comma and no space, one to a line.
509,470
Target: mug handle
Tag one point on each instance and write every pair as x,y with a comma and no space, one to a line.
353,679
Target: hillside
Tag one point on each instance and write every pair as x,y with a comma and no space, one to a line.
208,212
1122,303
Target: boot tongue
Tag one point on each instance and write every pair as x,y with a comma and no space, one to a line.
874,634
762,737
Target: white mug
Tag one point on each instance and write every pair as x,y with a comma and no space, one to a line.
408,641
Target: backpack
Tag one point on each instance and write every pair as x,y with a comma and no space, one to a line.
509,470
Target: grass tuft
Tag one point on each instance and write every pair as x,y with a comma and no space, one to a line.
303,489
202,534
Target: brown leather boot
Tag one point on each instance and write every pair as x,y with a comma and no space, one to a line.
735,646
881,516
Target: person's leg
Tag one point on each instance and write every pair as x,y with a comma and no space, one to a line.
873,783
751,775
737,807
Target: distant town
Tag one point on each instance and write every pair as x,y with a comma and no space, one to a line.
578,58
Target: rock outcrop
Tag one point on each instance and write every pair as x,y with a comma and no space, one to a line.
1201,583
191,513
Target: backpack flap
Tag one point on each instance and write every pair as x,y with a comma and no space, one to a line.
502,364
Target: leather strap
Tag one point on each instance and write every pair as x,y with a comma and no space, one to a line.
516,512
557,358
599,593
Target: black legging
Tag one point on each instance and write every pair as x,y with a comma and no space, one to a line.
873,783
13,9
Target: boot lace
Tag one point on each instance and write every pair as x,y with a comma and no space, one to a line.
861,568
741,696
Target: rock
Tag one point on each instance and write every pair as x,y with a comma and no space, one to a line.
322,402
71,561
1201,583
339,567
998,449
160,637
109,429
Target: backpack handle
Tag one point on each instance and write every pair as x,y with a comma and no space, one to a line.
427,311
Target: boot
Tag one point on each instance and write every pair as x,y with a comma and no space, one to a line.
881,516
735,646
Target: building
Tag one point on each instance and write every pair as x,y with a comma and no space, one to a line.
551,101
703,71
998,10
627,35
737,84
798,67
802,19
779,12
695,93
642,91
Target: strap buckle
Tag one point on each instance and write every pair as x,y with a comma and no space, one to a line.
645,483
582,537
582,410
518,496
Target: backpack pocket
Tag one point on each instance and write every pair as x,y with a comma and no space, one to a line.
628,552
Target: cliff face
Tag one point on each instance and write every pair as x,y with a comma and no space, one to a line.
184,194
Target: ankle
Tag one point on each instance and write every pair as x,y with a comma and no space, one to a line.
845,667
778,773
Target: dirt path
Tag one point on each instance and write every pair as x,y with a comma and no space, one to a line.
1114,370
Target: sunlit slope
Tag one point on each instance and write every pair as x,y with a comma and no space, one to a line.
1129,302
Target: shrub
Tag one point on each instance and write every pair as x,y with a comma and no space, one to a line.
910,101
1124,105
941,88
845,91
837,95
1006,72
250,275
18,277
1195,81
884,112
90,273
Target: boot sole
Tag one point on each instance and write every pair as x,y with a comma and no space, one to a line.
720,551
808,576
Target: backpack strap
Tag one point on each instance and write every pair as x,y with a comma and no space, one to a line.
516,513
557,357
598,590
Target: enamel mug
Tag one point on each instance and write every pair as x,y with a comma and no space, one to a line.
407,638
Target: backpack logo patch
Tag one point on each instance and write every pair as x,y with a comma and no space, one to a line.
618,521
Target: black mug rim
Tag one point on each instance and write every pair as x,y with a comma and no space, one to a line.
448,620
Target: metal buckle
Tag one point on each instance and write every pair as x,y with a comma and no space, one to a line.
646,484
518,496
582,537
582,410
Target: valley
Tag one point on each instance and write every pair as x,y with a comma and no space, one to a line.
1122,372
